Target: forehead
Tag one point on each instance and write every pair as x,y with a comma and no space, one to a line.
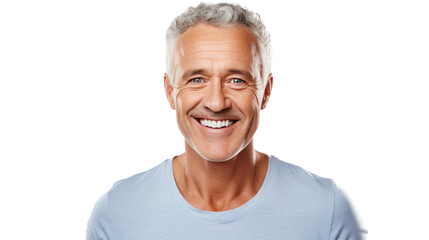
203,44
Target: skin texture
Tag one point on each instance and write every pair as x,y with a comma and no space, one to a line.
218,77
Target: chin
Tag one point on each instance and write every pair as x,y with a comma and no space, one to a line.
217,158
218,154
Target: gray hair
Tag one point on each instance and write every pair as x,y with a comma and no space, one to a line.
219,15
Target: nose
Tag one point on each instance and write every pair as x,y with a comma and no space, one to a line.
215,99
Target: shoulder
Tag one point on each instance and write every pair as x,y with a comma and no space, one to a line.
122,199
298,178
344,222
318,198
138,188
311,194
99,226
140,180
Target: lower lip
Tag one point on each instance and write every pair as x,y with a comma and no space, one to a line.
216,130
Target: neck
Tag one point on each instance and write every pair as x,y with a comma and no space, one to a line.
220,186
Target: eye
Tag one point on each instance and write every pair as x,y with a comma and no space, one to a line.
237,81
196,80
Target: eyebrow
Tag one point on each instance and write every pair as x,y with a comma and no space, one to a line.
192,72
230,71
240,72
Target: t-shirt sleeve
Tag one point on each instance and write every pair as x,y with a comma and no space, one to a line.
98,225
344,225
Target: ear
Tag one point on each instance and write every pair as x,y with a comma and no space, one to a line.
169,91
267,92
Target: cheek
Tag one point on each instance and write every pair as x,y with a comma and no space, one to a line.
185,100
248,100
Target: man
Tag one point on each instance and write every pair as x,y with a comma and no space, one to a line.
218,79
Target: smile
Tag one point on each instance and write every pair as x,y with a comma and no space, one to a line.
216,124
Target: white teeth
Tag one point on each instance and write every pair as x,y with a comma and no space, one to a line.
216,124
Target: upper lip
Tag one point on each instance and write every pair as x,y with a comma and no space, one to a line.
216,119
224,115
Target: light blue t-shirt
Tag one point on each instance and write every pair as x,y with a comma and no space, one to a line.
291,204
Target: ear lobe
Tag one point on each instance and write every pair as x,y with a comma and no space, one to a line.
267,91
169,91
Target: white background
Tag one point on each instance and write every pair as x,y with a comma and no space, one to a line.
82,105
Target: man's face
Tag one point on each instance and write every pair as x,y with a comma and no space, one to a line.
218,91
